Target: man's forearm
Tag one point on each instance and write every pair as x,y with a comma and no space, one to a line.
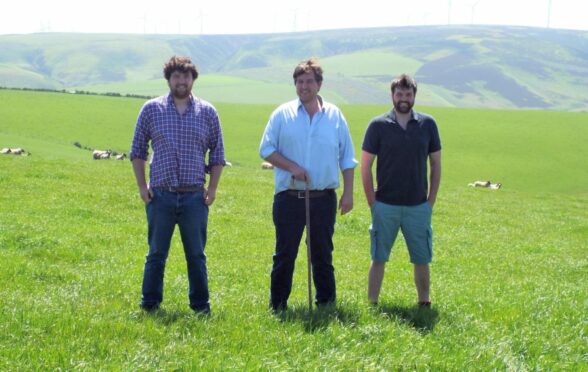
367,178
435,182
348,181
280,161
435,176
215,173
139,171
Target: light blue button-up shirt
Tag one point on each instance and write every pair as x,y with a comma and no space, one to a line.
321,146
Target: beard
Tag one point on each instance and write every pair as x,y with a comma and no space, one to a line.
403,107
181,92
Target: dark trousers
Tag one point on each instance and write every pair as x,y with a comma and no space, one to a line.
290,220
188,211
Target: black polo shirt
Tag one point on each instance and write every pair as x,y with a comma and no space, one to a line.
401,168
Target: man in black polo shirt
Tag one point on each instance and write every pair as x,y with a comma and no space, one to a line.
402,140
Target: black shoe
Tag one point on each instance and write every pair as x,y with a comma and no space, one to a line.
204,311
149,307
325,304
278,308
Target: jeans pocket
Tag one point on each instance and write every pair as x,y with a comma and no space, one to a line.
430,241
373,232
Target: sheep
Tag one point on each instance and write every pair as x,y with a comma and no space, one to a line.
480,184
101,154
16,151
266,165
486,184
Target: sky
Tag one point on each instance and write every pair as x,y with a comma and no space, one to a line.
271,16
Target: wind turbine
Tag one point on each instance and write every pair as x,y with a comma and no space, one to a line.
201,19
474,11
295,20
549,14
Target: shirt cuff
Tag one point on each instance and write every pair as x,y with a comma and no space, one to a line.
266,151
142,156
212,163
348,164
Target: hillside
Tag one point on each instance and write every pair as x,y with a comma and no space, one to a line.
461,66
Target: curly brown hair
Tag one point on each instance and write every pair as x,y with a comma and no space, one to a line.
182,64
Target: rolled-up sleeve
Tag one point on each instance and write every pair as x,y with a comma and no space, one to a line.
216,146
269,140
140,143
346,152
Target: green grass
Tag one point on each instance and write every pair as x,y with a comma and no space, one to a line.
21,76
374,63
508,279
153,87
216,88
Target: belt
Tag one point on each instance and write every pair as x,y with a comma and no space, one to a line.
180,189
300,194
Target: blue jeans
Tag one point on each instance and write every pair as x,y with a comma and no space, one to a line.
189,212
290,219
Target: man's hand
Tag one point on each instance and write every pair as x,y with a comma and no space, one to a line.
209,195
279,161
299,173
346,203
139,171
146,194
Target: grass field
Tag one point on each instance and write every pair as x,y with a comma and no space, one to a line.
508,279
216,88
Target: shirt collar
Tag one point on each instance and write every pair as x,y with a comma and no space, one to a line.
170,100
300,104
413,116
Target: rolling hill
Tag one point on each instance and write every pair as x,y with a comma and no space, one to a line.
457,66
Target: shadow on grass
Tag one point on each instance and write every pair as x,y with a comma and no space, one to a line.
423,319
169,317
320,318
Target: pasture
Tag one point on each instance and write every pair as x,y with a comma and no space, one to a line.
508,279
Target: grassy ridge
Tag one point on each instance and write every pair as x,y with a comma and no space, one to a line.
508,277
463,66
216,88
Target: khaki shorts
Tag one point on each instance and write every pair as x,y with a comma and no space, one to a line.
415,223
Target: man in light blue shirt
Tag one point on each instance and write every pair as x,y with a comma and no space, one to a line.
307,140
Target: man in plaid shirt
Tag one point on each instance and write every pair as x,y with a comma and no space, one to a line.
182,129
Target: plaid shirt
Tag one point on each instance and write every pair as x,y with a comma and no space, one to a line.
179,142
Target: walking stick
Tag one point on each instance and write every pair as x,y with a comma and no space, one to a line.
307,207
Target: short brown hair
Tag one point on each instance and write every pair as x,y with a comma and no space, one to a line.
309,65
182,64
404,81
